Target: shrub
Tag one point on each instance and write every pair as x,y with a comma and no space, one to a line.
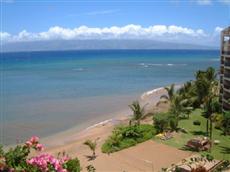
126,136
73,165
173,123
17,159
217,119
226,123
196,122
165,121
161,122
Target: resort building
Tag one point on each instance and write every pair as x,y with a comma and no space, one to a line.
225,69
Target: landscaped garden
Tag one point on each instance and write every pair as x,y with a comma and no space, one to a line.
194,122
220,150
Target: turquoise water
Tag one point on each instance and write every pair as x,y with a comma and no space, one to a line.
46,92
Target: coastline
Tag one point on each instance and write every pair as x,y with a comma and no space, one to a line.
148,99
135,158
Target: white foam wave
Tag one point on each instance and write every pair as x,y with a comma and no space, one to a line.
148,93
100,124
161,64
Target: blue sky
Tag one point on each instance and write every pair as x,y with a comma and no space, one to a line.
30,18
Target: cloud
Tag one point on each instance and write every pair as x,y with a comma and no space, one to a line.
4,36
130,31
94,13
218,29
204,2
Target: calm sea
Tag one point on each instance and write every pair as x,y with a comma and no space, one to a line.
43,93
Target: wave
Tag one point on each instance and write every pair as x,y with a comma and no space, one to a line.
161,64
78,69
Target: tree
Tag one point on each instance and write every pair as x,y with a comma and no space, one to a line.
211,106
170,92
207,90
138,111
179,106
92,145
205,82
226,123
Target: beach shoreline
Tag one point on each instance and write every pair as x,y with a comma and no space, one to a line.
148,99
140,155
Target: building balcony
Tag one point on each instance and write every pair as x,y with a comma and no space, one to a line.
224,52
227,63
226,93
227,57
226,78
226,82
226,74
226,105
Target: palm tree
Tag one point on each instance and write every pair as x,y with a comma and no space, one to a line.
170,92
211,107
205,80
92,145
211,101
138,111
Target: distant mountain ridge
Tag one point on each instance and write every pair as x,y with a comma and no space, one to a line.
96,45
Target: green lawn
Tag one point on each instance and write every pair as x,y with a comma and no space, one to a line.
221,151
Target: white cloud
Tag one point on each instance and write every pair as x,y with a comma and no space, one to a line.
4,36
204,2
94,13
218,29
126,32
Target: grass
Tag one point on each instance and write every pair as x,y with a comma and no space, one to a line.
127,136
220,151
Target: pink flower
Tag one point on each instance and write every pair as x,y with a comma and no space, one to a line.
39,147
42,161
34,139
28,143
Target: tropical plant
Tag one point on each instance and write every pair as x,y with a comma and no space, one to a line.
161,122
92,146
138,111
180,106
205,82
17,159
226,123
73,165
211,107
125,136
170,92
164,121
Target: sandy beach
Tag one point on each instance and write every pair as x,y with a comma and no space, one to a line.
147,156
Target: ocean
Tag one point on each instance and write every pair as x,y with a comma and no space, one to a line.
43,93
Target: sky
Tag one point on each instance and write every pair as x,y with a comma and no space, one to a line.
195,21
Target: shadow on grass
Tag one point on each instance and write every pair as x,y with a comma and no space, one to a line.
225,149
186,148
199,133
